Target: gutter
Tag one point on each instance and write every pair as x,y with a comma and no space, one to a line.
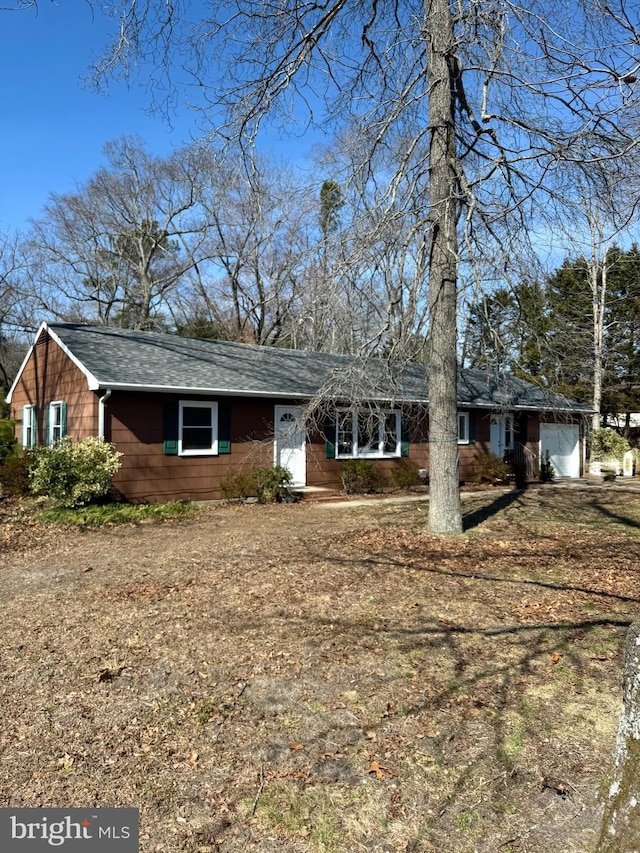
305,395
101,412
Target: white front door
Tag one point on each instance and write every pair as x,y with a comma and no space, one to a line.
562,441
290,442
501,434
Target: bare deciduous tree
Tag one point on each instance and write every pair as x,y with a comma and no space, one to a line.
116,250
484,99
15,305
257,247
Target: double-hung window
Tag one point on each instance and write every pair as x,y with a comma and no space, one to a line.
198,428
29,427
370,434
463,428
56,421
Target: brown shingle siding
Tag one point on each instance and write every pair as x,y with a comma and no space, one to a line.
49,375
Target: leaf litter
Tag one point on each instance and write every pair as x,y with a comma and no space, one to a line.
303,678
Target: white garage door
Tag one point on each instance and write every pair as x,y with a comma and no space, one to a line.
563,443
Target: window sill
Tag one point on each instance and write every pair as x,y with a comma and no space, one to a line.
370,456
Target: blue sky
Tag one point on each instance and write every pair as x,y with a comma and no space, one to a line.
53,128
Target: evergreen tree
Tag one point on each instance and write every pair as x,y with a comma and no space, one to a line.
622,382
567,350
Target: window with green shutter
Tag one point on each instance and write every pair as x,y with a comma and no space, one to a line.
56,421
198,428
366,435
192,428
466,428
463,427
29,426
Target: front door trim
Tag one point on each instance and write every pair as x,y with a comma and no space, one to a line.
290,446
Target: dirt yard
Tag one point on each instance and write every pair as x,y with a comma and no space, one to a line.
320,678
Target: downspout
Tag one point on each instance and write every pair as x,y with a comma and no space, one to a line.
101,412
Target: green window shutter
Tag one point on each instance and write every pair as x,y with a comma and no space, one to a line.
170,428
404,439
47,424
63,420
472,427
330,438
224,427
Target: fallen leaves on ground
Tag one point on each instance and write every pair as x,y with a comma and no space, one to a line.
304,678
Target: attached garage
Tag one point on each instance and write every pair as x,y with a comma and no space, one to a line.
562,441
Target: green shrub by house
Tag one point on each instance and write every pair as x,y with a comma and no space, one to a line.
491,469
547,471
404,475
74,474
13,467
238,485
8,443
14,475
265,484
361,476
607,444
272,484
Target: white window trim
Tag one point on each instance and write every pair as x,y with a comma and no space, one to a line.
199,404
509,427
54,406
506,424
464,439
380,453
29,422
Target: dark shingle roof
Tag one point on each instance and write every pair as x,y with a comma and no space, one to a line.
122,358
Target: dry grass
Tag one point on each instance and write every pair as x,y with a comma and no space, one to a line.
310,678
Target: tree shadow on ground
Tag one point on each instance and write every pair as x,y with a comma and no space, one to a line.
614,516
478,516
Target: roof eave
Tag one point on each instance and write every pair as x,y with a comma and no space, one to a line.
92,382
24,363
303,395
190,389
222,392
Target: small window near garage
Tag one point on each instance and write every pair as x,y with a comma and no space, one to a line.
463,427
56,421
29,427
198,428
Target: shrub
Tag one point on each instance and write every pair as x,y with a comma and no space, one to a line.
8,443
238,485
607,444
117,513
14,475
74,474
272,484
547,471
491,469
266,484
404,475
361,476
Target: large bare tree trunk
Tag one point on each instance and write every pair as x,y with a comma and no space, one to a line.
621,821
444,505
